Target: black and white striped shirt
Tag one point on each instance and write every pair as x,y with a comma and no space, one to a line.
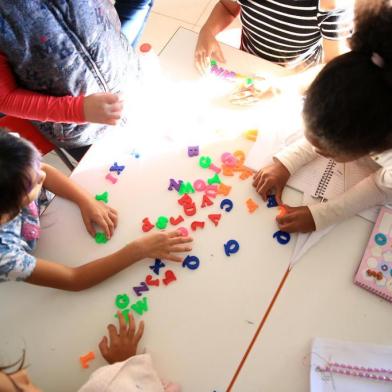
290,32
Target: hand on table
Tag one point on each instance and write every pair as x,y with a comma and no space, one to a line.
123,343
207,46
96,212
296,219
103,108
162,245
271,179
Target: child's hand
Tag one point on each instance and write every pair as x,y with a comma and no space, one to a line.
270,179
123,344
163,245
260,89
297,219
97,212
103,108
207,46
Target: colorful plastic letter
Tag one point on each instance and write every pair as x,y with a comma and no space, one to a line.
185,200
206,201
227,171
140,306
231,246
162,222
151,281
226,204
103,197
122,301
215,168
100,238
199,185
186,187
282,237
139,289
85,359
183,231
193,151
205,162
147,225
173,184
271,201
211,190
224,189
158,264
214,180
190,210
228,159
215,218
282,212
252,205
176,221
196,224
125,313
169,277
116,168
251,134
191,262
111,178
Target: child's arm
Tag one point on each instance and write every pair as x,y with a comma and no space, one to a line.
273,178
158,245
92,211
102,108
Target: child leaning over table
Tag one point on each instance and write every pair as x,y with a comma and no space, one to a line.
347,115
22,177
126,371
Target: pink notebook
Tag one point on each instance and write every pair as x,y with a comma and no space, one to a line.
375,271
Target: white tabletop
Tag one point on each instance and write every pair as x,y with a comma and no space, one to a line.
197,327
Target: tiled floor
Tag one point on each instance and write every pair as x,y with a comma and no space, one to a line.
166,17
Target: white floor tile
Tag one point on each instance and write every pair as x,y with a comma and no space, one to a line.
159,30
186,10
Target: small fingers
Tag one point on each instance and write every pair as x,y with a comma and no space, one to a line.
171,257
131,329
103,346
122,324
139,332
112,333
180,249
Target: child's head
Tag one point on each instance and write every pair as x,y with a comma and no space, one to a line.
348,108
21,177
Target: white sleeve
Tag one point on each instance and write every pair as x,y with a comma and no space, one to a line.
296,155
361,196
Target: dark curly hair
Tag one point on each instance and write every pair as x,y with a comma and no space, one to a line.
348,107
17,158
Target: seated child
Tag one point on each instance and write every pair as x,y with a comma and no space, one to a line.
126,371
22,177
347,115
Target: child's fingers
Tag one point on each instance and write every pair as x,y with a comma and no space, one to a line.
115,108
111,98
180,240
103,346
171,257
219,54
122,330
112,333
139,332
131,329
178,249
90,227
113,217
278,196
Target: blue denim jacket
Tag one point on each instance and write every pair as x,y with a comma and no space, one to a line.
66,47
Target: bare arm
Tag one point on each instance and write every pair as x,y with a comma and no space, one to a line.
157,245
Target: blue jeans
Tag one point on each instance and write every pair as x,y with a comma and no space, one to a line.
133,16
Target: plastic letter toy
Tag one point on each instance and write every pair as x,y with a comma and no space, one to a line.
282,237
228,159
214,218
205,162
161,222
226,204
191,262
111,178
85,359
380,239
206,201
245,173
240,155
100,238
116,168
215,168
193,151
231,246
196,224
185,200
282,212
147,225
227,171
122,301
139,289
176,221
157,266
271,201
252,205
199,185
103,197
174,184
169,277
125,313
186,188
224,189
183,231
214,180
211,190
151,281
140,306
251,134
190,210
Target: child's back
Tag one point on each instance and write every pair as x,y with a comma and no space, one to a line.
61,48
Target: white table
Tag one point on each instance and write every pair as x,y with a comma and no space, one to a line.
196,328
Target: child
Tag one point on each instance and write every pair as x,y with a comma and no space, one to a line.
126,370
63,63
21,178
347,116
